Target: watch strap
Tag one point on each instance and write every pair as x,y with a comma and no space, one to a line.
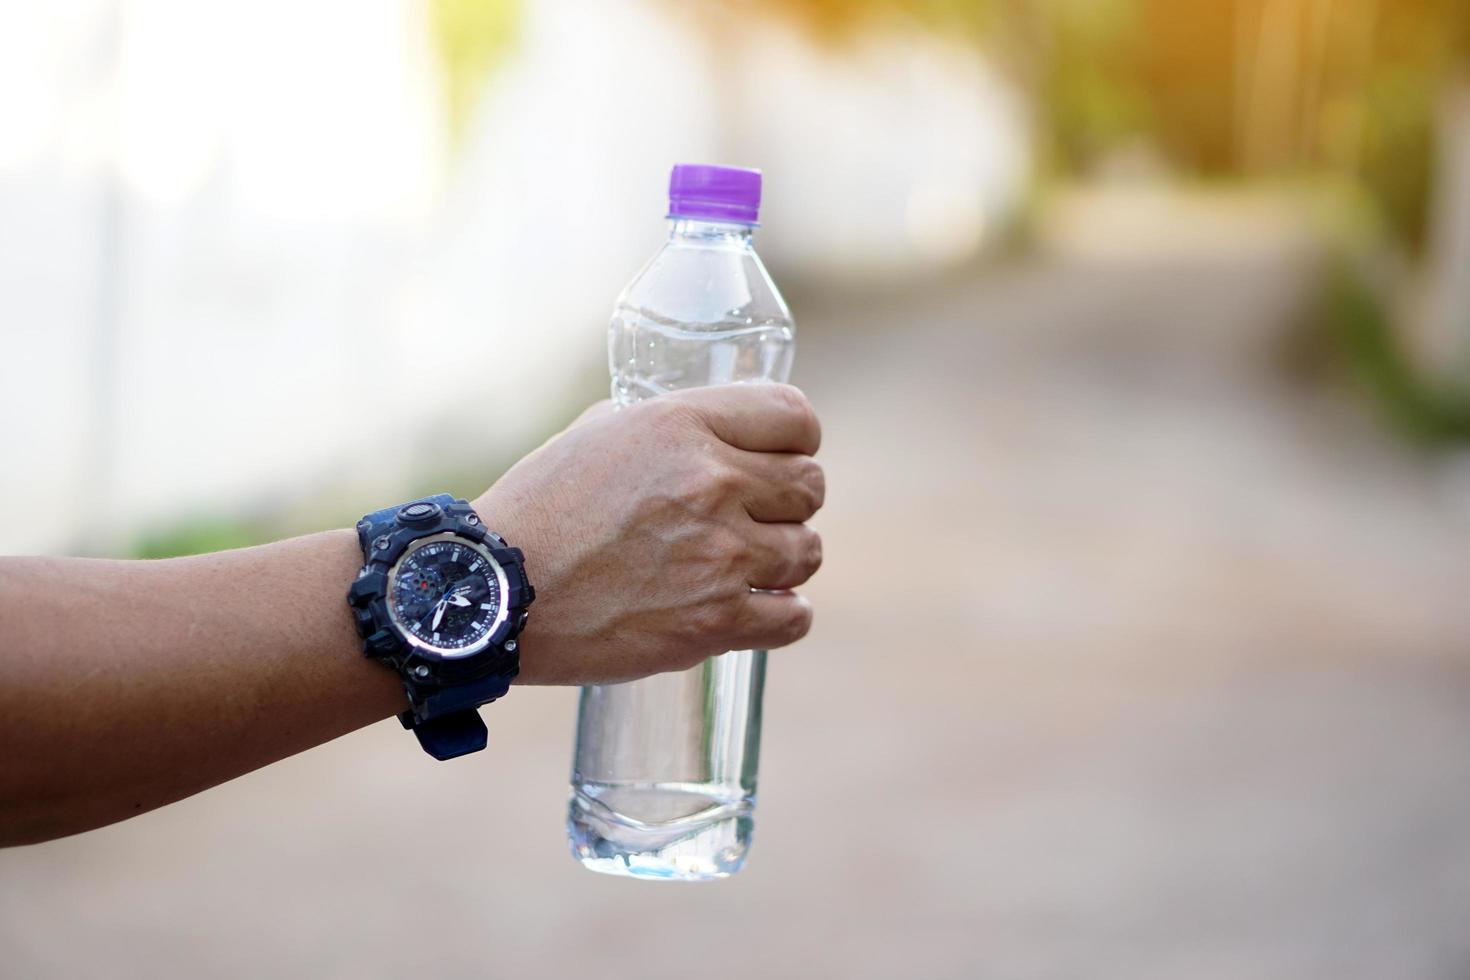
449,736
452,725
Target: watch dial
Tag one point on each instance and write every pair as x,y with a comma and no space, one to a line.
446,594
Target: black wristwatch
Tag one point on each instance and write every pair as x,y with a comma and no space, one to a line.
441,600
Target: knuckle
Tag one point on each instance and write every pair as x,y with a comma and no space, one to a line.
812,556
803,557
796,501
715,618
813,482
715,483
791,397
701,621
795,401
727,479
796,623
705,484
731,551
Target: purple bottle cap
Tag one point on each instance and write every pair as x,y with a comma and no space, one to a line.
710,193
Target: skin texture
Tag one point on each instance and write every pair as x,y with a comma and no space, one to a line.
131,684
684,504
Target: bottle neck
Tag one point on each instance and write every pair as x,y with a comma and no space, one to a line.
706,232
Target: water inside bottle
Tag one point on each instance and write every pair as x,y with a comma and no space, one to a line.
701,726
653,356
663,784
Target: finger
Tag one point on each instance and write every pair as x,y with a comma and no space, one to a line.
783,556
773,619
763,418
781,487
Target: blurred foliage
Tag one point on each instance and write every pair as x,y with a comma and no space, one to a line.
463,475
1345,93
1359,321
470,37
839,20
200,536
1219,87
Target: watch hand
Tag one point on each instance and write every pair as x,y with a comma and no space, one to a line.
438,614
457,600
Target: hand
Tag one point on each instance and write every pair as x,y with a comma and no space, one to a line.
646,530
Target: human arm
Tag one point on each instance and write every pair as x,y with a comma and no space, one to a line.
125,685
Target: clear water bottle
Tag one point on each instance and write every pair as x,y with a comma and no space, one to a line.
663,783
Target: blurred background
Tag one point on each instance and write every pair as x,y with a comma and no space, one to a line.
1141,335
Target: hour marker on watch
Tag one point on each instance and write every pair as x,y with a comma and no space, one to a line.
486,605
436,637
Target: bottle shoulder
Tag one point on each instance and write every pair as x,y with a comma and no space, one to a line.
701,284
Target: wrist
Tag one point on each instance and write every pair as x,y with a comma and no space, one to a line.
440,600
377,692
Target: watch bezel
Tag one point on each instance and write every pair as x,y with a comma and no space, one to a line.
423,647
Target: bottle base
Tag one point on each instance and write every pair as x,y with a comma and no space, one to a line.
709,841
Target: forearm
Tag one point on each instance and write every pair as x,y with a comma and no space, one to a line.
655,538
127,685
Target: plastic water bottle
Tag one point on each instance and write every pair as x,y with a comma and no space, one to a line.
663,783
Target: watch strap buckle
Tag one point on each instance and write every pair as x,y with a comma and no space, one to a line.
449,736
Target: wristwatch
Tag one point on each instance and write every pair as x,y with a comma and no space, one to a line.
441,600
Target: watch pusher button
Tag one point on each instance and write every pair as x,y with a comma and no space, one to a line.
381,643
420,513
363,620
367,587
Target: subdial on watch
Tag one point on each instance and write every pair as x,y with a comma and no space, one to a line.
419,589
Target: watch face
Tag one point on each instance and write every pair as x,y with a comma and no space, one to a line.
447,595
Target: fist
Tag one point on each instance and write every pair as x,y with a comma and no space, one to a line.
665,532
